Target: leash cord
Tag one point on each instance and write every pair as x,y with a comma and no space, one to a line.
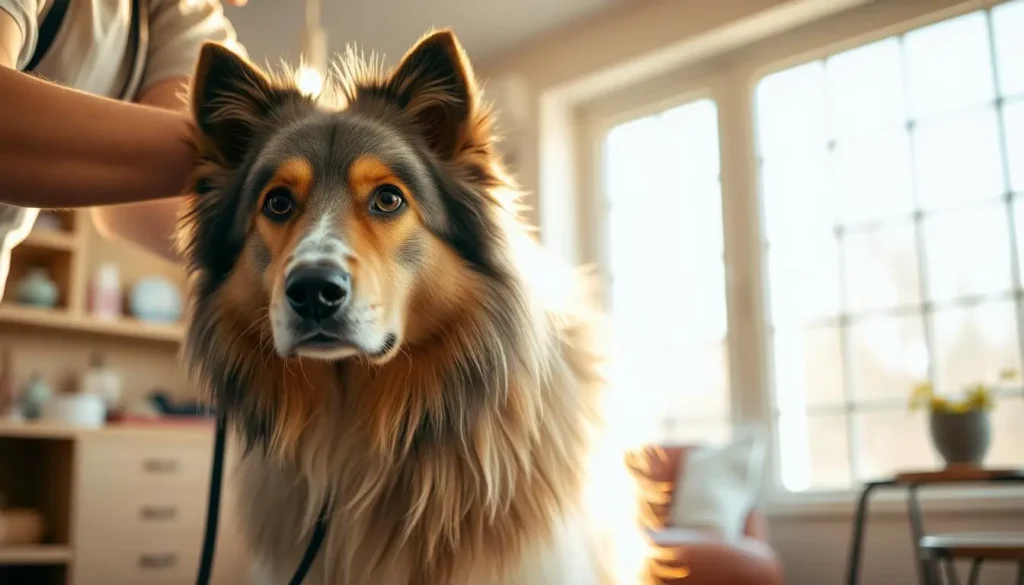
213,505
213,514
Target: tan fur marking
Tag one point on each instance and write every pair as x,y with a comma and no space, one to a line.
296,174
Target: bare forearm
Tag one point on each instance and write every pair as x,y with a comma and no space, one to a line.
150,224
64,148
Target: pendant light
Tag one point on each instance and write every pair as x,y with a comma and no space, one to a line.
310,75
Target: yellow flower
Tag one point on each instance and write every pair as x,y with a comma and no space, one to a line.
921,395
980,398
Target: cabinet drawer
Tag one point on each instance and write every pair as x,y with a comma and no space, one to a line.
116,463
169,557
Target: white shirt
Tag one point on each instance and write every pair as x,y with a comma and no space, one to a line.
92,52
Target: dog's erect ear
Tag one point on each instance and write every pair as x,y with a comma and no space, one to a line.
435,83
231,98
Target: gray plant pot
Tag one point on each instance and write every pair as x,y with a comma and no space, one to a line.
961,438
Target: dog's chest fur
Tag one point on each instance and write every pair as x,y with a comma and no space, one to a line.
503,505
271,504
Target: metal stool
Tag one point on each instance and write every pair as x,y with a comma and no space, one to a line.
944,549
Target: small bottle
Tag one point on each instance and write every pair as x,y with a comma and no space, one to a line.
106,292
103,381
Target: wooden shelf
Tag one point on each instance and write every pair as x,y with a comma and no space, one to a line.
51,240
58,319
44,554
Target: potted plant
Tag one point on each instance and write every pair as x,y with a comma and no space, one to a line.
960,428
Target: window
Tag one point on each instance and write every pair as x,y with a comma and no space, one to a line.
666,270
892,198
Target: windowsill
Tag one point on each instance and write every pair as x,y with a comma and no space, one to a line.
892,502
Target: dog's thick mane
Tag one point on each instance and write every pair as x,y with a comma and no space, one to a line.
470,444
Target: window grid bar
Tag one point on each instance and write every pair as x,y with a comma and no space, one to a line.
929,308
871,225
1005,160
919,236
888,404
845,350
999,100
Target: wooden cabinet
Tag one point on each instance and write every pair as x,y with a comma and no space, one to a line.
138,508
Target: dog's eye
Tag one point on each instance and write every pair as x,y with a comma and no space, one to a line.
387,199
278,204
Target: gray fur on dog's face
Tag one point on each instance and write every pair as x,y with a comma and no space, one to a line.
297,193
333,149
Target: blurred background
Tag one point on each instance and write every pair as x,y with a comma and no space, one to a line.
802,211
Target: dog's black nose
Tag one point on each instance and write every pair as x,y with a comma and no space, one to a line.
317,292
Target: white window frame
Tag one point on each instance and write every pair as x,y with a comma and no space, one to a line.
730,80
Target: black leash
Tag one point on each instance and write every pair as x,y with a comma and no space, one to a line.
213,514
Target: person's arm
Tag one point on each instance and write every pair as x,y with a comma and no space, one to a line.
177,31
150,224
64,148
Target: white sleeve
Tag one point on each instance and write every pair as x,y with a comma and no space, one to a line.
177,29
26,15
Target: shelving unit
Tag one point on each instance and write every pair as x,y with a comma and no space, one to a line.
64,254
93,487
44,554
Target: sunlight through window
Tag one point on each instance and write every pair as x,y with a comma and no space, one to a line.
892,185
667,273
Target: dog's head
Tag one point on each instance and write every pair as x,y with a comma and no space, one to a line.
349,227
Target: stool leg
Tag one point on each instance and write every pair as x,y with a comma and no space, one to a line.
975,571
951,574
1020,572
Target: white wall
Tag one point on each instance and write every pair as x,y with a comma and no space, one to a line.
814,550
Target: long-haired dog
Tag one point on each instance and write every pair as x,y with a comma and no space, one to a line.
365,311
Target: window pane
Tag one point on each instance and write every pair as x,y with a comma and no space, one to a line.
865,89
696,433
893,441
885,191
803,282
1013,123
1008,22
881,268
973,344
697,224
797,199
1018,212
968,253
791,111
702,389
958,159
1007,448
808,368
623,146
665,260
888,357
814,452
949,65
694,129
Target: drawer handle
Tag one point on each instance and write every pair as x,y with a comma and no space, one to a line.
160,465
159,512
158,561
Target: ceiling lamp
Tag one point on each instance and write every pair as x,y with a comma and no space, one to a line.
310,75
